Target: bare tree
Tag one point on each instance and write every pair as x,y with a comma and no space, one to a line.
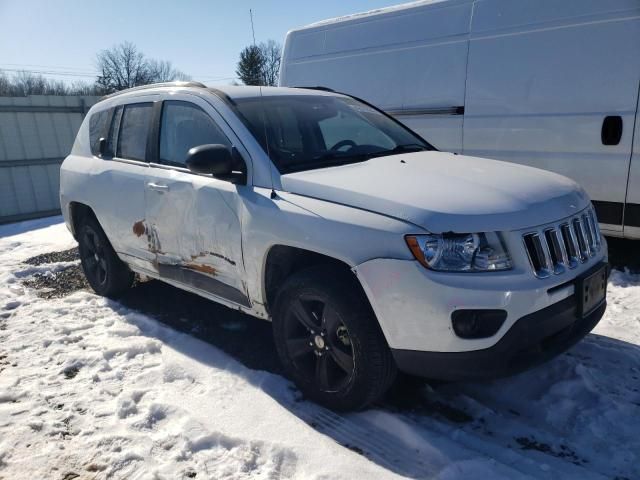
84,88
163,71
271,54
5,85
124,66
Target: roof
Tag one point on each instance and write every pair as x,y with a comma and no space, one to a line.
241,91
231,91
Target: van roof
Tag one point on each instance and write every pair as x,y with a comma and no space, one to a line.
371,13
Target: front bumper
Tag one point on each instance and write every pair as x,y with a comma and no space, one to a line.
532,340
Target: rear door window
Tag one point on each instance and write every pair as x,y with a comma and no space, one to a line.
184,126
134,131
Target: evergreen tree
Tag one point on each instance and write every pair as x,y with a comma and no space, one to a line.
251,65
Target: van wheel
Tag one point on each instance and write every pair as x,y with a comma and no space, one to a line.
105,272
329,340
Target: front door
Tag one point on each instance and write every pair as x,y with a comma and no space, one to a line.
192,220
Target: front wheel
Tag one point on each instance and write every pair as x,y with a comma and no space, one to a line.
105,272
329,341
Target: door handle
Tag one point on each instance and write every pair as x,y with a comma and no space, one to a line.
157,187
611,130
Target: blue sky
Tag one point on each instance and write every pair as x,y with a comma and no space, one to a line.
201,38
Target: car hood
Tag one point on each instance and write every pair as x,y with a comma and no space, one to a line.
443,192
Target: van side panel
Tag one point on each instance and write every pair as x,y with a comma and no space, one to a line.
542,77
632,207
410,62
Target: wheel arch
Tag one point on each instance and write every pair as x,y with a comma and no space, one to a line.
78,212
282,261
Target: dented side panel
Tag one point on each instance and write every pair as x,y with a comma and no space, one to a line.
194,225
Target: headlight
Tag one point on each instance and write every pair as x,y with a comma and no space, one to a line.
466,252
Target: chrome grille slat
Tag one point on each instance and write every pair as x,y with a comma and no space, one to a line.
582,240
555,249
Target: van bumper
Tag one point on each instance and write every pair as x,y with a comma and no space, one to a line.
532,340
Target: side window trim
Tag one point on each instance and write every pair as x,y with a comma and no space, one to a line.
115,125
153,139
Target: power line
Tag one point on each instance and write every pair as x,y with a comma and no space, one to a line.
48,72
48,67
68,73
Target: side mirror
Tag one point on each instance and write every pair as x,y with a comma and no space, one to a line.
210,159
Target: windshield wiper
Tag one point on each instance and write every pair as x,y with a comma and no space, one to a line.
409,147
328,160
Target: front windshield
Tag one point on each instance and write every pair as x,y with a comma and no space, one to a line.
303,132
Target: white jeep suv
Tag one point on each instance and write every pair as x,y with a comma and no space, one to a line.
368,249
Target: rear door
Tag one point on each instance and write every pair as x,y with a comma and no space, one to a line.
122,172
554,85
193,220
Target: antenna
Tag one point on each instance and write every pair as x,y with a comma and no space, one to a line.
264,118
253,31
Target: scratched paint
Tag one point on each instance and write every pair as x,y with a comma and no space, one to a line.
213,254
208,269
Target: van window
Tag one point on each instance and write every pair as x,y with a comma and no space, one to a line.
134,130
184,126
98,128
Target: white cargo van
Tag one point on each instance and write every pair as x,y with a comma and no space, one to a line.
548,83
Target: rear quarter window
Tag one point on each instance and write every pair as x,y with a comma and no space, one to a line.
98,128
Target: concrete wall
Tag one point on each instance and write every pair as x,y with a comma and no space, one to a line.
36,134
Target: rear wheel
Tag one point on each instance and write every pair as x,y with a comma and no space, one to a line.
105,272
329,341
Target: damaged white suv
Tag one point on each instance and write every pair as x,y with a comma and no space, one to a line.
368,249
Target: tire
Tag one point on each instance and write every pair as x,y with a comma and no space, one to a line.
105,272
329,341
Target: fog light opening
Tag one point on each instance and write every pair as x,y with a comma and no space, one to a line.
470,324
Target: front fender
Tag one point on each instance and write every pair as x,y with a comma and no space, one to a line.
347,234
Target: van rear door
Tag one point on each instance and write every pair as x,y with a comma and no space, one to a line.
632,207
554,85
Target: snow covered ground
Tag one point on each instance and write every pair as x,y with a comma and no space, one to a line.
91,388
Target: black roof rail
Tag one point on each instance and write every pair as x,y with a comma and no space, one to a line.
318,87
154,85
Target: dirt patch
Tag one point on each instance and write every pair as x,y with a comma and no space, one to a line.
70,255
563,451
58,284
70,372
